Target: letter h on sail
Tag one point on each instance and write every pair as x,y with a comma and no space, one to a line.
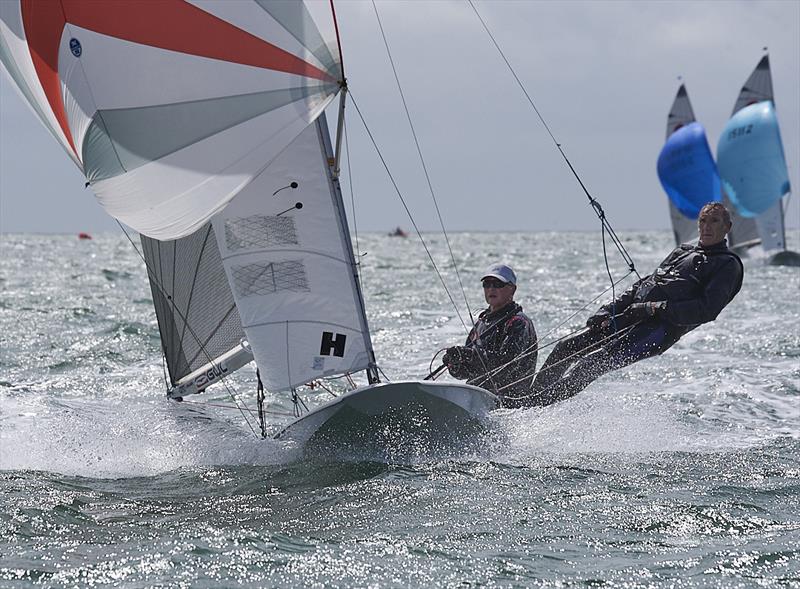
331,344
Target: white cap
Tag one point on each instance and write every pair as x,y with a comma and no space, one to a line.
501,272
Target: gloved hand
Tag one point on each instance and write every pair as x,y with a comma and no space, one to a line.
458,360
598,319
643,311
452,357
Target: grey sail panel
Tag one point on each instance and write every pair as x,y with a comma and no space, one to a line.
744,233
197,317
684,229
758,87
681,112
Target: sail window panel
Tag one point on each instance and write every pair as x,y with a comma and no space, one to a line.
260,231
264,278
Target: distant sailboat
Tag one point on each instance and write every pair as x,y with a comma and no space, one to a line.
686,168
689,176
398,232
752,164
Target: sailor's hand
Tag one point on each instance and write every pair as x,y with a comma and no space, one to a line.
599,319
643,311
452,357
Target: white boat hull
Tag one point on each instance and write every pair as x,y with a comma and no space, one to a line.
415,416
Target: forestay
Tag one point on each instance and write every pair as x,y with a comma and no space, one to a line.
170,108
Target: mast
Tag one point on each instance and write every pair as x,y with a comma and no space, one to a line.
336,191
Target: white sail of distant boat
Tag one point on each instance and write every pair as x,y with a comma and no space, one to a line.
752,163
689,176
209,138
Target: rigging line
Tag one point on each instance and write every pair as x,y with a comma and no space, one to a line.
422,161
384,374
408,212
592,201
598,345
613,289
352,201
185,320
532,349
224,406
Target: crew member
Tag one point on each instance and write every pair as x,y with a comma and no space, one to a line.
690,287
500,352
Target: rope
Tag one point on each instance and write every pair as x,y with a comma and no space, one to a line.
422,161
598,209
260,400
352,201
597,344
158,284
408,211
223,406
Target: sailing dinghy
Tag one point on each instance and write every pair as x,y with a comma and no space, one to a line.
752,164
208,136
689,176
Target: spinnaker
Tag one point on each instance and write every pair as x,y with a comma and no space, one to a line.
171,108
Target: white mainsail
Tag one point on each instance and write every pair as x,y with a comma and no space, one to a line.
287,254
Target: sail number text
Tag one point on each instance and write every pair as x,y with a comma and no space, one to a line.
739,131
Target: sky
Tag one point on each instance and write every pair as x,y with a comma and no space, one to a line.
602,74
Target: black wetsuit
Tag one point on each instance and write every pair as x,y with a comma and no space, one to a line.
691,286
499,338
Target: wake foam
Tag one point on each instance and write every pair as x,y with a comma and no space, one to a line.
137,437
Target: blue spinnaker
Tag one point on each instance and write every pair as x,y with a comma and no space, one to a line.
751,160
687,171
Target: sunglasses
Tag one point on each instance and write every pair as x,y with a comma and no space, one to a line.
492,283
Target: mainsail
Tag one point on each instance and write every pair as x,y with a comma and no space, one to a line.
202,338
171,108
751,158
287,254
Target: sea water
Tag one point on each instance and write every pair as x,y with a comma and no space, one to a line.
680,471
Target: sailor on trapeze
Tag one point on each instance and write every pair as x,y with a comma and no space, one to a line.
690,287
